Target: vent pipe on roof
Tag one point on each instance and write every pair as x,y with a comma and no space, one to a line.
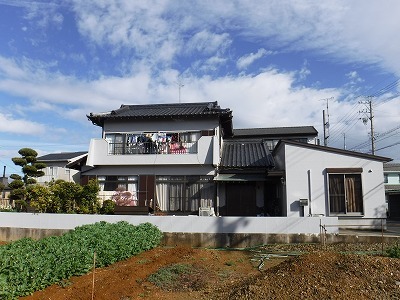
4,171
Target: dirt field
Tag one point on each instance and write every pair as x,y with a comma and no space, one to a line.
351,271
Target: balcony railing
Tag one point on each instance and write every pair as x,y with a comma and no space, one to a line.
152,148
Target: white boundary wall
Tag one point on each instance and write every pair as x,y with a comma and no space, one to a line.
177,224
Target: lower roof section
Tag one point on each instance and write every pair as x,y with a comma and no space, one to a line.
240,177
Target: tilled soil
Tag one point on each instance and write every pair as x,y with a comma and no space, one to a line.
301,271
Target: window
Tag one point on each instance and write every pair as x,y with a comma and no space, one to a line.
53,171
385,178
122,189
345,192
114,183
184,193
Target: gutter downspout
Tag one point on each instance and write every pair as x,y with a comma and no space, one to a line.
309,193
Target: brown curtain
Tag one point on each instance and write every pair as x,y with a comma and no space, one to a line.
336,194
350,194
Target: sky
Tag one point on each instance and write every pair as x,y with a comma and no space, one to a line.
273,63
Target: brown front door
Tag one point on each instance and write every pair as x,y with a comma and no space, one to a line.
146,189
241,199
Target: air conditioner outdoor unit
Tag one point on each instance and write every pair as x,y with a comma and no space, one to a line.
205,211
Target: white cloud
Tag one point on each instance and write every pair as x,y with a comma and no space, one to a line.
304,71
206,42
354,77
33,81
43,14
19,126
246,60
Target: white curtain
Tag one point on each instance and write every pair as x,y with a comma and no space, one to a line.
192,201
175,196
162,195
132,187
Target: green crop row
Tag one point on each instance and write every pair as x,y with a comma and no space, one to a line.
28,265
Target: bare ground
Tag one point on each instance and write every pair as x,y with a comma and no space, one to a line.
344,271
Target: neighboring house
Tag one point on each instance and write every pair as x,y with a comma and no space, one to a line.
5,193
248,182
271,136
57,166
186,159
328,181
391,173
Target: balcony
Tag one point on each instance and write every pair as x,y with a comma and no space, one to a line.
152,148
204,151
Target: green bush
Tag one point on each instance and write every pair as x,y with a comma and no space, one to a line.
394,251
108,207
64,197
27,265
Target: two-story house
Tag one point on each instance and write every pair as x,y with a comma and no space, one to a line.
163,156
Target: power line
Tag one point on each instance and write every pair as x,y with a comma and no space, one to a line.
381,137
337,130
397,143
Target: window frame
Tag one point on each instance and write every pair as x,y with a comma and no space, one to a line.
180,192
385,178
350,173
117,181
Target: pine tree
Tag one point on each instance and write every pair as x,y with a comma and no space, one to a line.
31,170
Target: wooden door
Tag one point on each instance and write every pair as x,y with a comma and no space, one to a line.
241,199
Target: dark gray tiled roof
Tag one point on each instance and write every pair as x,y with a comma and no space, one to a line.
62,156
391,167
280,132
245,154
165,111
160,110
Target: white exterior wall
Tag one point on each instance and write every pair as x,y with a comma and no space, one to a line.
304,163
98,155
59,172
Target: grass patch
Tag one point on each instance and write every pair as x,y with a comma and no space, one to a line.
167,277
179,277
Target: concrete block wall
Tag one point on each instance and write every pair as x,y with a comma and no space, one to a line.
234,232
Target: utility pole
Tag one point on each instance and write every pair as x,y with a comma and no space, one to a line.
344,141
325,121
369,116
326,129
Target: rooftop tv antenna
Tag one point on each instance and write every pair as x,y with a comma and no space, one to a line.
180,86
